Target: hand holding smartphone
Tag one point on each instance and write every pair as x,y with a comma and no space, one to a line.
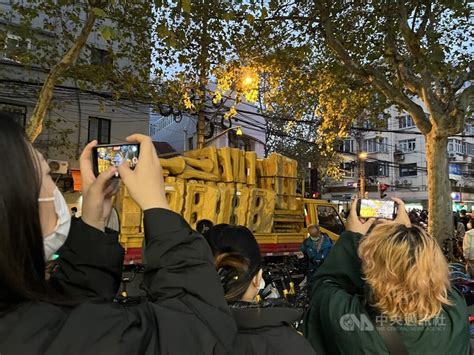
104,156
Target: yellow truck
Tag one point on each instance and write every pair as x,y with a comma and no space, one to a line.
229,185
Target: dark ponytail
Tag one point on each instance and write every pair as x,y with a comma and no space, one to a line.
236,276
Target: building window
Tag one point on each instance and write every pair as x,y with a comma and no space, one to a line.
408,170
376,169
407,145
469,148
190,143
14,112
405,121
456,146
99,128
100,57
348,169
347,146
375,145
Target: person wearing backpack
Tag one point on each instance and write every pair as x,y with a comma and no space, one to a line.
384,289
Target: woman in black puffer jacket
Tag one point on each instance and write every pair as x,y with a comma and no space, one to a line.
265,327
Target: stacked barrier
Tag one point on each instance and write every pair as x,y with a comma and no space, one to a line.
279,173
200,203
225,185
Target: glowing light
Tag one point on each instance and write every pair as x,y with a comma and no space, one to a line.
248,80
239,132
363,155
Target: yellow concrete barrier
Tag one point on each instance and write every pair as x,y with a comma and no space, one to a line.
200,203
175,189
260,210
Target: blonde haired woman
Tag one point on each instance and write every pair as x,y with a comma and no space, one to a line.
384,289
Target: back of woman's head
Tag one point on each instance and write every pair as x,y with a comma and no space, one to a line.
406,271
238,258
235,274
21,244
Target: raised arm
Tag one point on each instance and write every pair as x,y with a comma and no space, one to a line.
90,262
180,272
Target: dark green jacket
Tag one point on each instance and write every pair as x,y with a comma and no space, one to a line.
337,321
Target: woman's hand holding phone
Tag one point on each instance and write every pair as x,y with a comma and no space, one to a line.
402,215
354,223
145,184
97,191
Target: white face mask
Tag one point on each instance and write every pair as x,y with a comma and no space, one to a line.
56,239
262,285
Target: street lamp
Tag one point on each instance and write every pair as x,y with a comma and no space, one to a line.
238,132
247,81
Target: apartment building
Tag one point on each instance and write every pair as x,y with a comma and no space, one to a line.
76,116
396,156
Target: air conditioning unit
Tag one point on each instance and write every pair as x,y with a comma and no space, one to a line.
406,183
399,157
398,182
58,166
452,156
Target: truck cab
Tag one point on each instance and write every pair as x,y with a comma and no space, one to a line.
325,215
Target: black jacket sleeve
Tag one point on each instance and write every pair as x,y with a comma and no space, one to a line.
89,263
180,272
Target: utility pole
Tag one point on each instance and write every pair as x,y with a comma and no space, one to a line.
361,157
185,140
203,71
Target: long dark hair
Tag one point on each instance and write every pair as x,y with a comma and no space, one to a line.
22,265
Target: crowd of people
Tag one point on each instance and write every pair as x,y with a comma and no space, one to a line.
382,280
419,217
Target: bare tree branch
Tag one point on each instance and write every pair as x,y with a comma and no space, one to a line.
35,123
468,75
398,61
424,21
370,75
431,99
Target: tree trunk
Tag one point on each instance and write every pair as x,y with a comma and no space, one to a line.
440,223
203,70
201,126
35,123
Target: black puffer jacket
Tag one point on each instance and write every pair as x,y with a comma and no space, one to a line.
188,314
265,328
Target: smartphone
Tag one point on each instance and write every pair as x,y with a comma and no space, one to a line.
376,209
108,155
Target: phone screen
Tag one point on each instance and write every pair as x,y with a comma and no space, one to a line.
377,209
114,155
